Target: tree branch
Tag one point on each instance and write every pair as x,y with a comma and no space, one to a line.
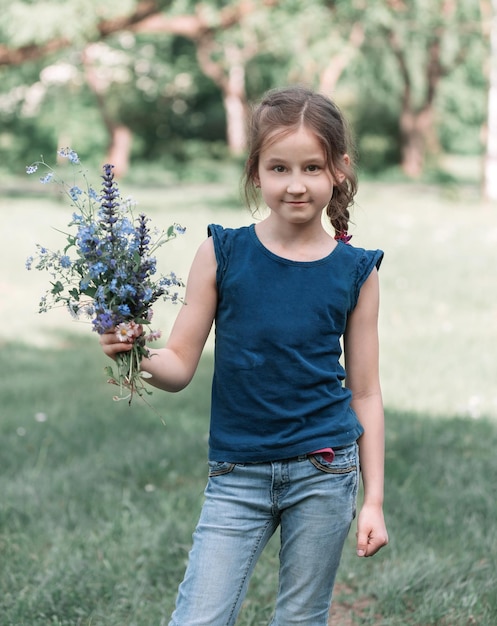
146,18
32,52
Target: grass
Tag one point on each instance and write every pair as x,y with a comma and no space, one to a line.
99,499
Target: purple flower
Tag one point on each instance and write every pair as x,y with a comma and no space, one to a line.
103,322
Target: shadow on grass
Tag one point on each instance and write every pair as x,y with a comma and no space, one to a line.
99,500
440,505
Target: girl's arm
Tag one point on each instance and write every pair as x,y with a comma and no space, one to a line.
173,367
362,367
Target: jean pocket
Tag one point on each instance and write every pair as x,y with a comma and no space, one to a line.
345,461
219,468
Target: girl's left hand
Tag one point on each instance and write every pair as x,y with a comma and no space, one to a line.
371,530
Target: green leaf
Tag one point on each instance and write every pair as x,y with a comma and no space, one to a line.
89,291
57,288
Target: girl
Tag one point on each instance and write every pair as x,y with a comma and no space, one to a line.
286,433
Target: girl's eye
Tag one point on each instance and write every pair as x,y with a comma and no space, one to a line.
313,168
278,168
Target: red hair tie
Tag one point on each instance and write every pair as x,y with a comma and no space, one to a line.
343,236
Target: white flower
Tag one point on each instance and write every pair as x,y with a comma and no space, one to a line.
127,331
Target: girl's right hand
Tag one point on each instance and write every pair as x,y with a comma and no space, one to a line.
113,345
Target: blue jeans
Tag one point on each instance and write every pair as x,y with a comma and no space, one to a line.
313,501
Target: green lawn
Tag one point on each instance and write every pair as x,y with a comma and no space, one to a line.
99,499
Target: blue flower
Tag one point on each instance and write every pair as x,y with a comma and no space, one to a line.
147,294
87,238
65,261
100,295
31,169
77,218
73,157
126,226
74,192
97,269
47,178
126,291
69,154
124,310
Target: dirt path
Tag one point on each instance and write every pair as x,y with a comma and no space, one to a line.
348,613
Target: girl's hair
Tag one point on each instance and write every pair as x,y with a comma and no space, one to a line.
283,111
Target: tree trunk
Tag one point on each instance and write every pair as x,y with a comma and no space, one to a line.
234,104
120,136
330,75
229,75
417,139
119,150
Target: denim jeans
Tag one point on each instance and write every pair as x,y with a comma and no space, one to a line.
311,500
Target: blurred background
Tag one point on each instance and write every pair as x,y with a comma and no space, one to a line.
161,84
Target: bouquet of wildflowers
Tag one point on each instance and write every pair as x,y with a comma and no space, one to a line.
107,271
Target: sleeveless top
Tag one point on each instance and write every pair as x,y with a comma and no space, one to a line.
277,389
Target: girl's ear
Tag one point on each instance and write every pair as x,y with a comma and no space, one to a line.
341,175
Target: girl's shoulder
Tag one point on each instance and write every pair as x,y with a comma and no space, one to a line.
216,231
361,256
361,263
225,239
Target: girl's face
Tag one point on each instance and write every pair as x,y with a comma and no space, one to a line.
293,174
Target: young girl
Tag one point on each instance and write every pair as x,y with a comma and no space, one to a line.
290,427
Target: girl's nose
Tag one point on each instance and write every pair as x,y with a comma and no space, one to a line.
296,186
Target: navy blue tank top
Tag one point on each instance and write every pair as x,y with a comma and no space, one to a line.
278,387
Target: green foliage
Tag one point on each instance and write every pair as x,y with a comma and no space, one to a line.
416,27
463,105
26,22
154,84
182,105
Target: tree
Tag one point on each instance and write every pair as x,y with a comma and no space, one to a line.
29,42
123,56
325,39
220,56
427,40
